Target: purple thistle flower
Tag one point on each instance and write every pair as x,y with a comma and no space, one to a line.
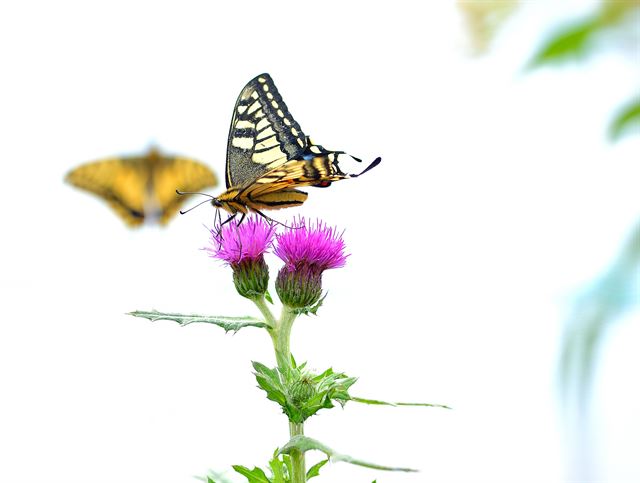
316,246
235,244
307,251
243,247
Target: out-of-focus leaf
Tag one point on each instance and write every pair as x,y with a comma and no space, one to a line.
627,120
571,42
614,293
576,40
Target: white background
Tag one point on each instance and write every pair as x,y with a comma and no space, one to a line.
498,200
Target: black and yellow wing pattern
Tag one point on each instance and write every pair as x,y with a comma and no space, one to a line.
268,155
141,188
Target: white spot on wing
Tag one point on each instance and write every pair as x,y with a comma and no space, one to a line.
280,113
244,125
254,107
242,143
266,133
267,143
269,156
262,123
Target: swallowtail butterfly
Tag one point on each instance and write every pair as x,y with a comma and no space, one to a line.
269,157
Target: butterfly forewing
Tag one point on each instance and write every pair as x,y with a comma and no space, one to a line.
263,134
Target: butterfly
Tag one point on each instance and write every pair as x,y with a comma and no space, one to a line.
269,157
143,187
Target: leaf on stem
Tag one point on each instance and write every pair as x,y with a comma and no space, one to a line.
227,323
302,394
376,402
315,469
256,475
304,444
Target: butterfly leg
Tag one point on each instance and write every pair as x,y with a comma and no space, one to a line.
241,219
231,217
271,220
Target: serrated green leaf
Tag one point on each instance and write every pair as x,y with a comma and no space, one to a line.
384,403
315,469
626,121
227,323
256,475
277,470
304,444
288,463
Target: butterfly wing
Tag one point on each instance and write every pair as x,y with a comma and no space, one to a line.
120,182
179,173
263,134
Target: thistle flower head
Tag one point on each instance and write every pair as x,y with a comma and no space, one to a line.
307,250
243,247
314,245
234,244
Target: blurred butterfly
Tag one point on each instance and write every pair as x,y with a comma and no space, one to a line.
268,155
143,187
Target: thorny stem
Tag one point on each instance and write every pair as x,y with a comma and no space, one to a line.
280,332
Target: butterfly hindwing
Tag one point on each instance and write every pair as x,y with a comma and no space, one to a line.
263,133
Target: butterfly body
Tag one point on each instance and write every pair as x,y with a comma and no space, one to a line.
141,188
269,157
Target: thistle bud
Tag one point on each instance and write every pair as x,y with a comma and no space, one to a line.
299,288
302,390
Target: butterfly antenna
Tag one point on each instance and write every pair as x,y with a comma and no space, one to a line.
193,207
181,193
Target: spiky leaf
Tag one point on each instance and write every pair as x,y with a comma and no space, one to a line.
304,444
227,323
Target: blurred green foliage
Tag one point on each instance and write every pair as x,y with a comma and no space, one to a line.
627,120
614,19
614,293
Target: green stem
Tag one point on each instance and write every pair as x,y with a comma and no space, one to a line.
282,341
282,344
280,332
297,457
264,310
